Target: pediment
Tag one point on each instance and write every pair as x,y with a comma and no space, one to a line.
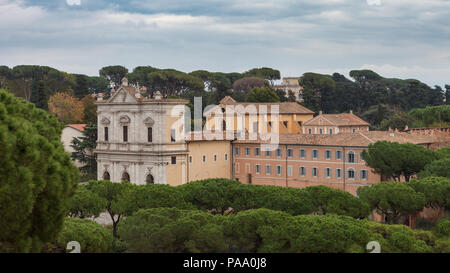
124,119
318,121
122,95
149,121
105,121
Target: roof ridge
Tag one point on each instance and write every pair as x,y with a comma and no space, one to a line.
366,137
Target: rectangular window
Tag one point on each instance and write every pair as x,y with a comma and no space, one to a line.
174,160
257,168
172,135
289,170
226,157
215,158
190,159
364,174
351,173
328,154
309,131
302,171
106,134
257,151
278,169
290,153
125,133
204,158
320,131
236,150
338,155
150,134
279,153
315,154
238,167
268,153
302,153
314,172
268,169
338,173
328,172
331,131
247,151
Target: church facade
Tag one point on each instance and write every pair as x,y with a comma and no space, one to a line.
135,139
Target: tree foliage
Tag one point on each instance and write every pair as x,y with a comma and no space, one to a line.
84,151
86,203
392,159
114,74
151,196
93,237
112,193
392,199
437,168
435,189
265,94
327,200
37,178
219,195
266,231
67,108
264,73
246,84
170,230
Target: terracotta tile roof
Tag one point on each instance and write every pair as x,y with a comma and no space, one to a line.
360,139
344,119
284,107
227,99
79,127
203,136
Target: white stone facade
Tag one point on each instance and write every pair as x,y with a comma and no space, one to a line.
137,157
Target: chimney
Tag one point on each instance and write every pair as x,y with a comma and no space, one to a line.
100,96
320,112
351,112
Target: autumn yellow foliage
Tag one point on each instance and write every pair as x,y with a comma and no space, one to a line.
67,108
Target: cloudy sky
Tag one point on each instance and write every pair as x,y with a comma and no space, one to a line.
396,38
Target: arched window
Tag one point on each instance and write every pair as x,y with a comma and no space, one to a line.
351,157
106,176
125,176
351,173
149,179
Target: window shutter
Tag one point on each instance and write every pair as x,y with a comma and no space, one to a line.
346,174
346,158
361,174
356,158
